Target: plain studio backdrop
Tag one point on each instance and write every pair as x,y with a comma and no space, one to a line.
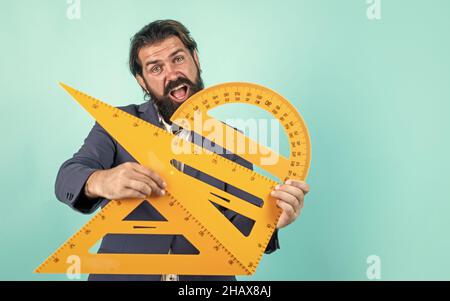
372,86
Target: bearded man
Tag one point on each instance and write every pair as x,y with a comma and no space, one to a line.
164,60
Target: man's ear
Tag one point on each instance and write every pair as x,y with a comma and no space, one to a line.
141,82
197,61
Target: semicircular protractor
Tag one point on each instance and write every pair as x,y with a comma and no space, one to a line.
196,108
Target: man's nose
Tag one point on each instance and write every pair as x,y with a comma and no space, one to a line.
171,73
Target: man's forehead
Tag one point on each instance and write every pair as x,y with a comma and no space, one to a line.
161,49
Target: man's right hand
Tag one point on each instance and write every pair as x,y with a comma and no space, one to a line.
126,181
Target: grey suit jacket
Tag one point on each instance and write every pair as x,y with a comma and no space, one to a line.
101,151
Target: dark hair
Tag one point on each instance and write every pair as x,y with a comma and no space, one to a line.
156,32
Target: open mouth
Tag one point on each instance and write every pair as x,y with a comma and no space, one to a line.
179,93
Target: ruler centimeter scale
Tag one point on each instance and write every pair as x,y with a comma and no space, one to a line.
187,206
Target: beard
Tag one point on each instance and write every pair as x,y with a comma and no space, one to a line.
167,106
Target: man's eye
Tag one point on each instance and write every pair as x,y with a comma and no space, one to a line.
179,59
155,69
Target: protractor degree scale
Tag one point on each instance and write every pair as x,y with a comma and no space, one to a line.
296,166
223,249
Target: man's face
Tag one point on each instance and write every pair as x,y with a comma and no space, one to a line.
170,74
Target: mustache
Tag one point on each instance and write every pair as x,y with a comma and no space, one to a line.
177,82
164,103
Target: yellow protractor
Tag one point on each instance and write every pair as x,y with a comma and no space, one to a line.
224,250
295,167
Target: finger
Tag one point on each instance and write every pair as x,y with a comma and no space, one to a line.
155,188
287,198
299,184
151,174
287,209
295,191
140,186
128,193
136,175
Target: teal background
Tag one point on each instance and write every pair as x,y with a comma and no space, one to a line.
374,94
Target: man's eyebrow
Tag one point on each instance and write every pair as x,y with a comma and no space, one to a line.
176,52
157,61
152,62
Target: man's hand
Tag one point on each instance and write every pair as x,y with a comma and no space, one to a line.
290,197
128,180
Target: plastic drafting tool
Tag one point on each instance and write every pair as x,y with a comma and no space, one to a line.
188,205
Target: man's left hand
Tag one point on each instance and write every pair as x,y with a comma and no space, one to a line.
290,197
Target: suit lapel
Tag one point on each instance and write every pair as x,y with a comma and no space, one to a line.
147,112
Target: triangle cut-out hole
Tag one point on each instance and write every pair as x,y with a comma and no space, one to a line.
145,244
145,212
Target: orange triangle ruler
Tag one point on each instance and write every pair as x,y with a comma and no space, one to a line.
188,204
